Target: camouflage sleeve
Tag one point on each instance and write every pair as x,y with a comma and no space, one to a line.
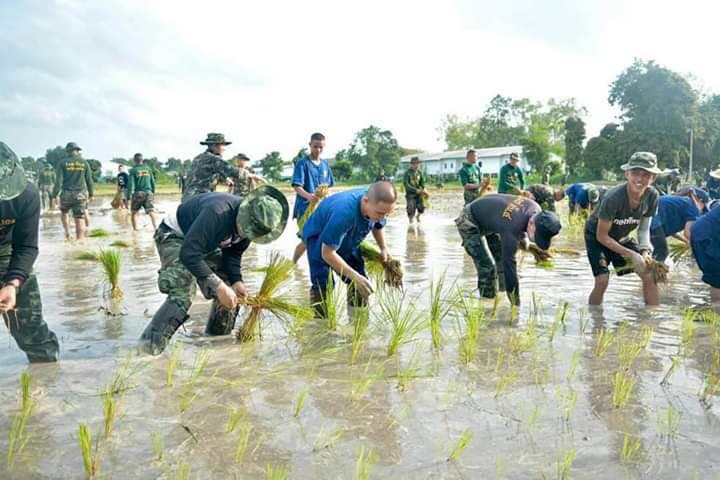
228,170
89,180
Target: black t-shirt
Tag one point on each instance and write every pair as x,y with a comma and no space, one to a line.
508,216
208,222
19,220
122,180
615,207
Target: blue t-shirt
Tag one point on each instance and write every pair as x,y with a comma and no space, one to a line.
706,231
339,224
673,213
713,187
577,194
309,176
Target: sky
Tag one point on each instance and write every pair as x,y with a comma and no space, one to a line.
154,76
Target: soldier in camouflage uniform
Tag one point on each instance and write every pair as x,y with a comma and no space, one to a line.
545,196
414,183
141,191
20,301
74,183
46,182
668,181
247,180
209,168
203,242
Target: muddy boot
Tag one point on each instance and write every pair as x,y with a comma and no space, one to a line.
161,328
221,321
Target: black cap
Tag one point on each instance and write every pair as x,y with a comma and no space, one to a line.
547,225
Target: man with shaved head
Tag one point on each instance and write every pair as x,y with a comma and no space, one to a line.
333,234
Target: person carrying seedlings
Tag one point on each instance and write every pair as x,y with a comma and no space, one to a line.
247,180
675,214
203,242
333,235
141,190
470,178
310,172
512,177
46,182
667,181
414,183
625,208
123,180
209,168
75,186
545,196
705,243
712,184
20,302
493,227
582,197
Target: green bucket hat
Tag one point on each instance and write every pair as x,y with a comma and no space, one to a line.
72,146
12,175
215,139
263,214
644,160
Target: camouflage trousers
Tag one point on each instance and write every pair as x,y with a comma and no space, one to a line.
470,195
26,322
485,249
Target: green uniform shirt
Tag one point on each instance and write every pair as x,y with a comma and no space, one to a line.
510,179
46,177
469,173
413,181
74,175
141,179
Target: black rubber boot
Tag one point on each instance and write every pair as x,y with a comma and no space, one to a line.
161,328
221,321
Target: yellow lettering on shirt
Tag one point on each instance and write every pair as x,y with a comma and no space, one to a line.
74,167
514,205
7,221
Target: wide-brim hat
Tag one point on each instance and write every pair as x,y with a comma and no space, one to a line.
71,146
547,225
715,173
514,156
12,175
415,160
263,214
644,160
215,139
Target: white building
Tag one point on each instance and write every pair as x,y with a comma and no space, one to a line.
449,163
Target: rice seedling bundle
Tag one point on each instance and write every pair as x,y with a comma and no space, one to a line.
268,299
88,255
98,233
321,192
679,251
425,199
391,268
120,244
658,270
111,261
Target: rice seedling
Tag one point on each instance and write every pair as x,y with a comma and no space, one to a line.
630,448
158,446
109,407
474,316
326,440
461,445
495,307
574,360
188,393
276,472
173,361
401,317
623,385
441,305
605,338
669,422
500,467
320,192
360,322
360,385
687,328
554,326
627,353
673,366
710,388
505,381
182,471
299,402
679,251
391,268
121,244
532,419
646,334
17,438
565,463
86,450
583,322
499,358
234,419
111,262
243,441
88,255
277,274
331,303
567,399
121,379
98,233
363,464
410,372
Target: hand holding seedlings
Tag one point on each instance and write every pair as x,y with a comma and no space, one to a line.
226,296
241,291
638,262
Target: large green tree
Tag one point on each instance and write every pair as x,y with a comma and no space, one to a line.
374,151
272,166
342,168
574,138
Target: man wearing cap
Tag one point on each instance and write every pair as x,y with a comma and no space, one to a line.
123,180
203,242
414,183
209,168
141,190
545,196
333,234
247,181
470,178
20,302
712,184
625,208
492,228
667,181
46,182
74,184
512,177
705,243
582,197
676,214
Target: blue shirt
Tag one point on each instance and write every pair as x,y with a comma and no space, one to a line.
706,231
309,176
713,187
339,224
673,213
577,194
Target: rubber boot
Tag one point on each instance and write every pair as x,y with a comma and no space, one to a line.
221,321
161,328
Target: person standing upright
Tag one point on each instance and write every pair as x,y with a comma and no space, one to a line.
141,190
414,182
209,168
46,182
471,179
75,186
512,177
123,179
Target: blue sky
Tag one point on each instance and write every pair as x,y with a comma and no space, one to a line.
155,76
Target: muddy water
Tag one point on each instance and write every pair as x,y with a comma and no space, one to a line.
518,397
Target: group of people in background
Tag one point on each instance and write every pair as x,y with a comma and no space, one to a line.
201,243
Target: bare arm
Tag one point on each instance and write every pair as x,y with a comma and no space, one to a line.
686,231
336,262
301,191
603,228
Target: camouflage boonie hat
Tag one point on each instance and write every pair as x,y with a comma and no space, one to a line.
72,146
215,139
263,214
644,160
12,175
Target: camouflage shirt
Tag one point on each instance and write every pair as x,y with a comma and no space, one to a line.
206,171
413,181
46,177
544,196
74,175
241,185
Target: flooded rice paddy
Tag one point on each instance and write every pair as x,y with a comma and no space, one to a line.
532,395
